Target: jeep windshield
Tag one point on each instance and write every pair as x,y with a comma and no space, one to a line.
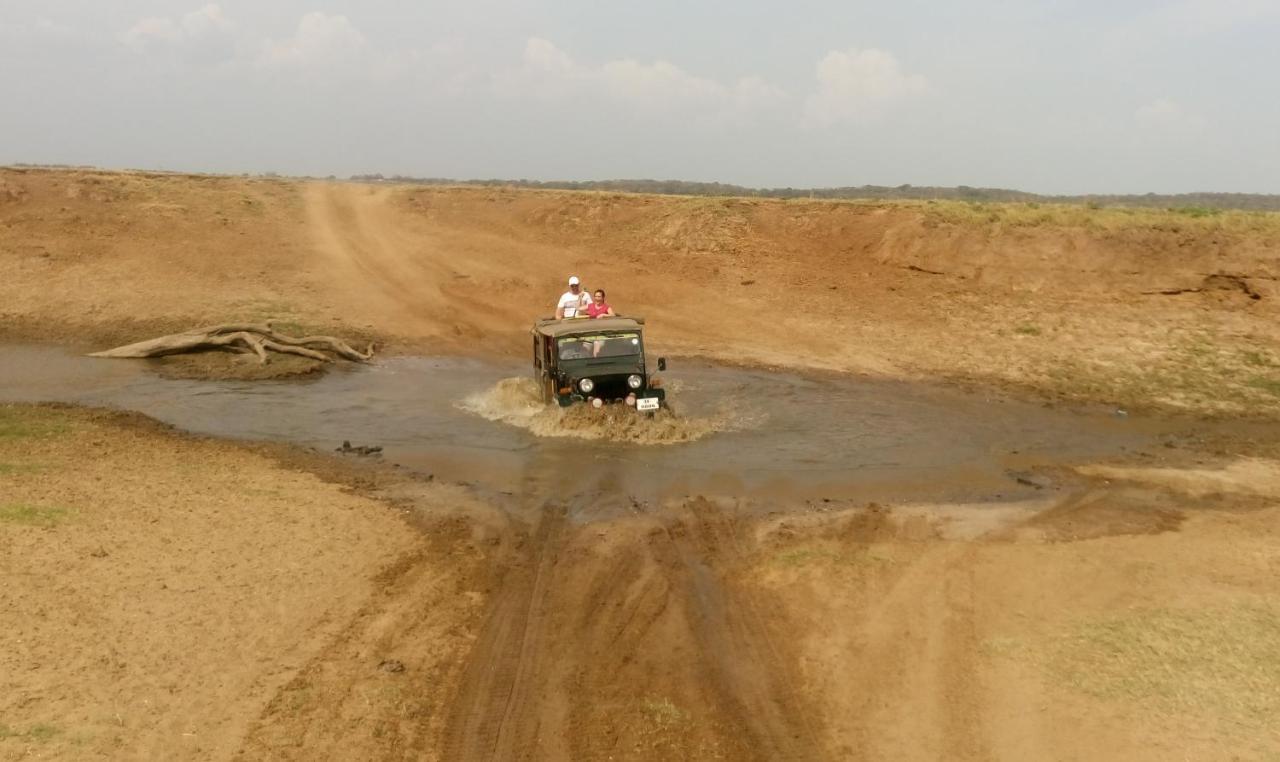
598,345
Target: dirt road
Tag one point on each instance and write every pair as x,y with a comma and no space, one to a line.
168,596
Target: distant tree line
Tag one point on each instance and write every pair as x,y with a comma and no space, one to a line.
1241,201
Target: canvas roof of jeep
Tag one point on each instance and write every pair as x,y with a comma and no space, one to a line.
570,326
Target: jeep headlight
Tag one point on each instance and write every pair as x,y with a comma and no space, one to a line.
634,381
586,385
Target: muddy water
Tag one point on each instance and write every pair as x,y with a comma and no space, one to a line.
738,432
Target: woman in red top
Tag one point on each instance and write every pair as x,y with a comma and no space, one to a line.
599,307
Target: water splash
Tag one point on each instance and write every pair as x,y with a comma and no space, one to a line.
517,401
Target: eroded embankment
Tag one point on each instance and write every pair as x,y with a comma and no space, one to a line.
1129,307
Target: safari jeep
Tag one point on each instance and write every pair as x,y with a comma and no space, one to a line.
582,359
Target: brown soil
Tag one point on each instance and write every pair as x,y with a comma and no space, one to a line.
167,596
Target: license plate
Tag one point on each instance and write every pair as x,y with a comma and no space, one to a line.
647,403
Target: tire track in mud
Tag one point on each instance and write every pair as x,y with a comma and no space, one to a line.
342,703
490,712
753,681
645,648
913,689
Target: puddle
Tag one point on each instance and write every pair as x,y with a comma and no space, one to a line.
758,433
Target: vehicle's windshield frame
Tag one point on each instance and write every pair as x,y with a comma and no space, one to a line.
602,336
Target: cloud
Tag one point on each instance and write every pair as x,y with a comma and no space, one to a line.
656,85
321,39
659,87
543,55
198,26
858,85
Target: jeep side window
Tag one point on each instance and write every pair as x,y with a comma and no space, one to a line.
537,354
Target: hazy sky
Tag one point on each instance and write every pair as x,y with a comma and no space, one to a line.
1055,96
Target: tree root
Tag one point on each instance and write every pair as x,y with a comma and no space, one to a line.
244,338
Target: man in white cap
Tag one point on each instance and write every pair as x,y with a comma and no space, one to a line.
573,302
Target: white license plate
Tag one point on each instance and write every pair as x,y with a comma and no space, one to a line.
647,403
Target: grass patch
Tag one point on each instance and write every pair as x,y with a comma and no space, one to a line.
662,712
1092,216
1028,330
21,423
1256,359
42,732
1269,385
1196,211
801,556
1224,662
39,732
19,468
1197,372
808,555
32,515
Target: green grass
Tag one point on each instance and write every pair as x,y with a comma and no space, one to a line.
39,732
1028,330
19,468
801,556
32,515
1268,385
1223,662
21,423
1195,211
810,555
1256,359
1196,372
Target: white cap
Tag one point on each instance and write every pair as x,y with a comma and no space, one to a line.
573,280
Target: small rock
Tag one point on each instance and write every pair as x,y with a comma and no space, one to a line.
101,552
391,665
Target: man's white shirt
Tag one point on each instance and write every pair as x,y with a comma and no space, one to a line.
573,303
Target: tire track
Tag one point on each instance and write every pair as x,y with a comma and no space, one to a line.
492,708
752,678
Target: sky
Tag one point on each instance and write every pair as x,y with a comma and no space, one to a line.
1050,96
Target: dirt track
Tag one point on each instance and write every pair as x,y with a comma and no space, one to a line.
173,597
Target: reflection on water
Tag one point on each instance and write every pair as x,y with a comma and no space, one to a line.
758,432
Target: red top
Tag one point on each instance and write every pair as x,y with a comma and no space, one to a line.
598,310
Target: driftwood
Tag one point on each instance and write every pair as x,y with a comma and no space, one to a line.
241,337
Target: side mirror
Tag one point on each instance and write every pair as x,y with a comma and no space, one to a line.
662,363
